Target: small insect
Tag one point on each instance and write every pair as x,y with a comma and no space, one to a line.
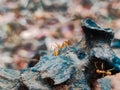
103,72
66,43
58,47
56,52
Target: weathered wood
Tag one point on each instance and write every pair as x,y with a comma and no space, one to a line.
72,69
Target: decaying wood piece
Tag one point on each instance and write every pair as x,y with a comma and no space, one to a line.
9,79
72,69
98,41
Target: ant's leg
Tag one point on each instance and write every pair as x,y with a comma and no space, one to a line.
111,69
102,67
96,65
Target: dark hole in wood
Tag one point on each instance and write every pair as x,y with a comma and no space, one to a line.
48,81
94,75
23,87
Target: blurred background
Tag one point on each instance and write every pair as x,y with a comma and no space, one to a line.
29,29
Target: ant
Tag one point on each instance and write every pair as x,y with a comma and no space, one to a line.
56,52
103,72
58,47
